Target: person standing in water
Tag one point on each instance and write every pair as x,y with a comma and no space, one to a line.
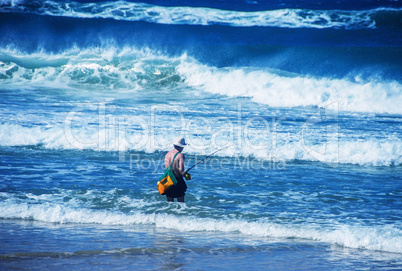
177,191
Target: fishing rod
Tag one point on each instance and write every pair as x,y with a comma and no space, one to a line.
202,160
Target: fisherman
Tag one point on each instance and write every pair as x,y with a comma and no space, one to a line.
178,190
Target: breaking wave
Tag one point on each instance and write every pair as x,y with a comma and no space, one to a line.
121,10
132,69
372,151
376,237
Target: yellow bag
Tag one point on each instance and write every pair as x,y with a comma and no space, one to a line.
164,184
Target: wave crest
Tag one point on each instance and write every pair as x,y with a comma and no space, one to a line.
127,11
278,90
132,69
112,68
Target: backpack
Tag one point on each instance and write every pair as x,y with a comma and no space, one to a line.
168,179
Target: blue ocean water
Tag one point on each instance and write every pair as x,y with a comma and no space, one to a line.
304,97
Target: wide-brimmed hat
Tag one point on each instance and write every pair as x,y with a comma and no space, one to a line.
180,142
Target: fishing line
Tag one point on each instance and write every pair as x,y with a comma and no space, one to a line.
202,160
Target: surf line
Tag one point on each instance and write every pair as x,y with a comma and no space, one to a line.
202,160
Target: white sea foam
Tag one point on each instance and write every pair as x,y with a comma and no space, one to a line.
374,152
120,10
284,91
376,237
